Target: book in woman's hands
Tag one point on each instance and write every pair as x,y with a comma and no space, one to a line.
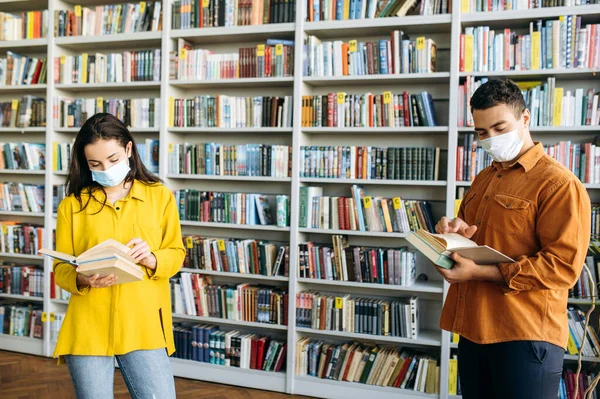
108,257
439,247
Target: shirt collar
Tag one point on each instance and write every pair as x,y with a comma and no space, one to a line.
527,160
137,191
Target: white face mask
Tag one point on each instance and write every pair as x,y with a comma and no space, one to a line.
505,147
113,175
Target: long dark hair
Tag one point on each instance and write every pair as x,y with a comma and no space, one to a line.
102,126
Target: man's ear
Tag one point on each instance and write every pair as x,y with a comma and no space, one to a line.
526,118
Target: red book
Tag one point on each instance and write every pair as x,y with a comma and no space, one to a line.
403,370
253,353
260,352
280,358
52,286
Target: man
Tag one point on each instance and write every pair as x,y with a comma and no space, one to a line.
512,317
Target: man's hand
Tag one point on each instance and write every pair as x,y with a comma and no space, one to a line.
95,281
466,270
456,225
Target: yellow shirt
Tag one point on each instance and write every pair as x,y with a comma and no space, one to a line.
127,317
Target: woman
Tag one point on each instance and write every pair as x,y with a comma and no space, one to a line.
110,194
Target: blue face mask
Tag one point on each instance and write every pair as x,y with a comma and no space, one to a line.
111,176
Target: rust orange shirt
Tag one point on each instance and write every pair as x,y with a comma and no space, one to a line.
537,212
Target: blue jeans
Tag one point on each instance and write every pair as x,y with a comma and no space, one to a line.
147,374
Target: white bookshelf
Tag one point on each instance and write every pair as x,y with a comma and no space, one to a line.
19,297
442,84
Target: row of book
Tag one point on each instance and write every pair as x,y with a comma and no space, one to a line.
23,156
508,5
567,384
21,70
135,112
583,287
470,159
195,295
21,197
362,213
209,344
582,159
247,256
143,16
368,110
453,376
58,194
21,321
21,280
562,43
340,10
357,264
128,66
368,364
230,111
55,325
20,238
23,25
56,292
273,59
215,159
370,163
29,111
576,319
396,55
188,14
394,318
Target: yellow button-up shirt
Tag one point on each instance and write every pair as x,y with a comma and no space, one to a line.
125,317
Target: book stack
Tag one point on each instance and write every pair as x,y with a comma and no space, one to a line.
273,59
23,25
396,55
21,280
567,384
362,213
370,163
230,111
20,238
188,14
143,16
21,197
393,318
332,10
128,66
208,344
576,327
236,208
194,295
21,321
134,113
358,264
368,110
216,159
481,6
23,156
470,159
550,44
21,70
30,111
368,364
236,256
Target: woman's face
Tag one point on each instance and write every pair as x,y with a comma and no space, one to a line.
103,154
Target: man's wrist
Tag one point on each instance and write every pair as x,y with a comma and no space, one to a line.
489,273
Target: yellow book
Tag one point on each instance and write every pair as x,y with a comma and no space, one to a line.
54,155
455,338
84,74
528,84
536,49
457,203
30,25
557,112
452,376
468,53
346,9
464,6
571,347
171,120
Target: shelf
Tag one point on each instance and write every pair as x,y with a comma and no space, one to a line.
31,346
417,287
409,130
242,276
79,87
426,337
22,172
582,301
517,16
24,214
313,386
60,172
29,45
463,184
239,323
23,88
319,180
22,130
262,179
76,130
248,378
453,345
352,233
548,129
590,186
235,34
20,256
581,73
132,40
236,83
583,358
411,78
60,301
379,26
21,297
226,130
234,226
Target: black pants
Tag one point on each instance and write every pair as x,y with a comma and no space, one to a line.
509,370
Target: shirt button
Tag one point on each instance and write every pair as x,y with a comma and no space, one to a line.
487,197
118,209
499,176
479,222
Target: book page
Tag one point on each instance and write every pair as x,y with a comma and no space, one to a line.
107,247
454,240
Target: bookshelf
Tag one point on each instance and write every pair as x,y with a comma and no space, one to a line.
443,85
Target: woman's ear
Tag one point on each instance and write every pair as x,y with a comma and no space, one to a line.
128,149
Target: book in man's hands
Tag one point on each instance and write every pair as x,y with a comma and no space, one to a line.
108,257
439,247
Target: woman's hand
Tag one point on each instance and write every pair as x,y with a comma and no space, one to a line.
96,281
140,252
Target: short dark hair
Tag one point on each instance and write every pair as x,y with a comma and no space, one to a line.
499,91
102,126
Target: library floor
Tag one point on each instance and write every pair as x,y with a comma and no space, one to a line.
24,376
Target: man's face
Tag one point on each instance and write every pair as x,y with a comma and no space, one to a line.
497,120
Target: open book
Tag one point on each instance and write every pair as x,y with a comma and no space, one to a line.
108,257
438,248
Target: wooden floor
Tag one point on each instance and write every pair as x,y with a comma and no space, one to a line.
29,377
